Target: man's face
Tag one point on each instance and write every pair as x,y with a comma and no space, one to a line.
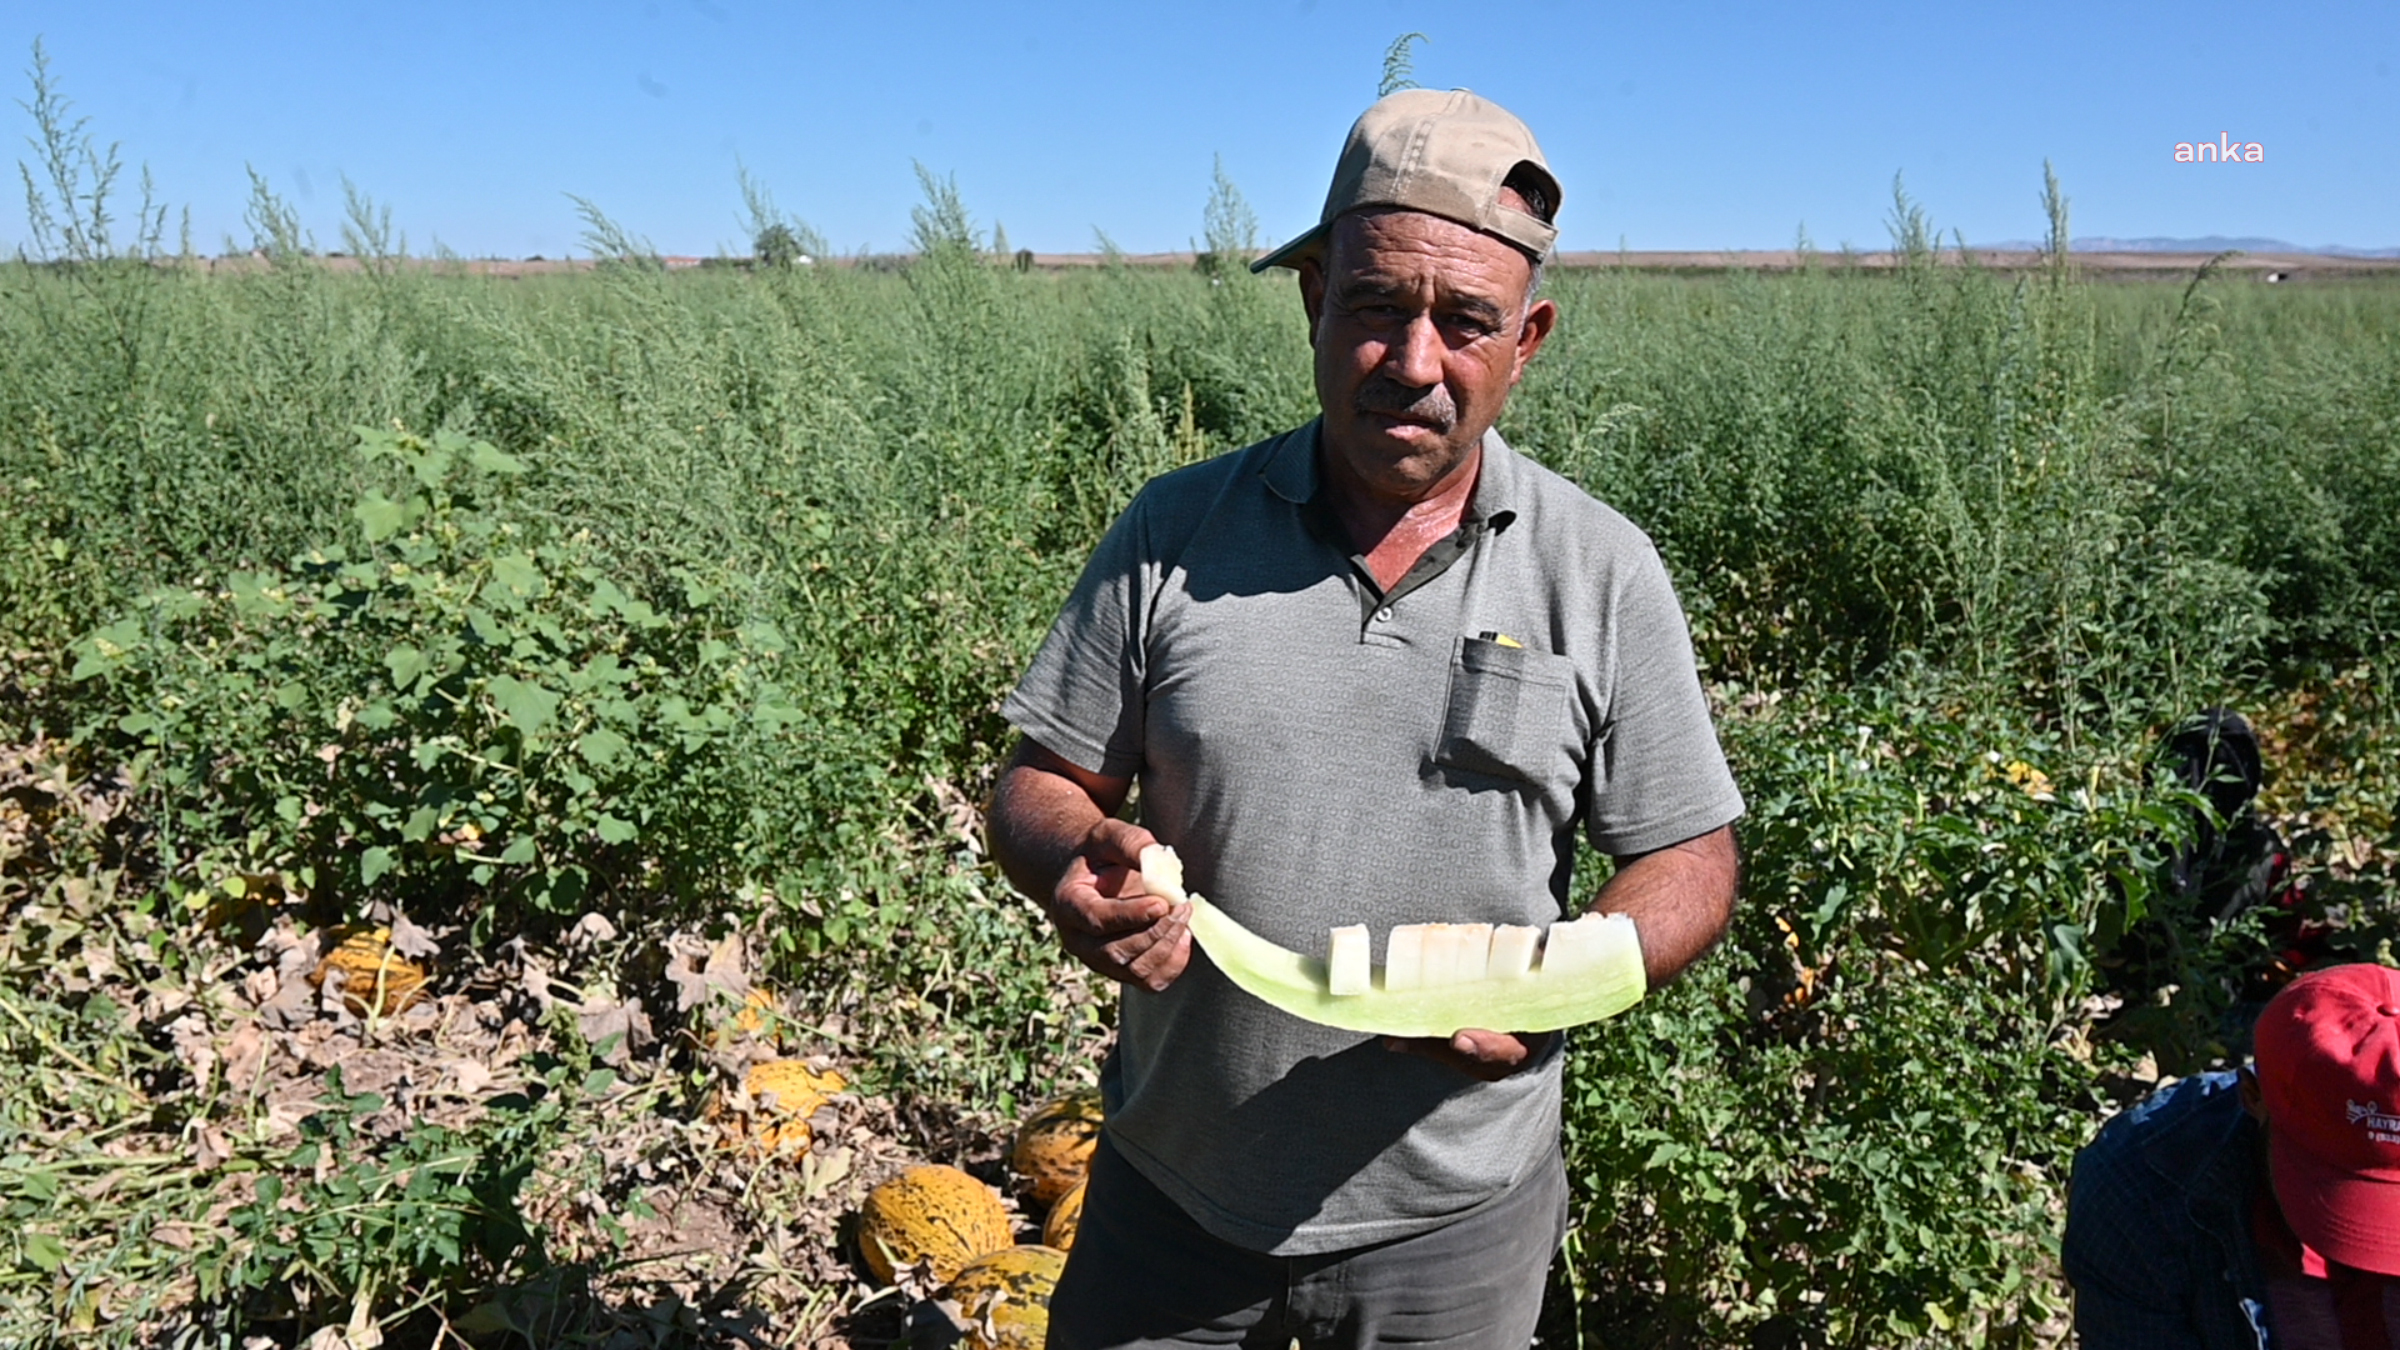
1421,327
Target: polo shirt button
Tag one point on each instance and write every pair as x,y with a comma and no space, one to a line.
1384,615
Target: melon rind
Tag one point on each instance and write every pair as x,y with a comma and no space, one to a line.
1537,1001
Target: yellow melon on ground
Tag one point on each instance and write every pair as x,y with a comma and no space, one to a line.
931,1215
1065,1217
783,1094
758,1013
1002,1301
1054,1146
375,979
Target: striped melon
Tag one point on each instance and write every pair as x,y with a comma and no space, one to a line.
375,979
1053,1148
1002,1300
933,1216
1066,1216
783,1094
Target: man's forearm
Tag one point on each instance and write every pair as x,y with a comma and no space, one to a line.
1041,815
1038,822
1680,899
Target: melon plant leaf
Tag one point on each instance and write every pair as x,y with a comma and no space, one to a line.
601,747
381,516
527,706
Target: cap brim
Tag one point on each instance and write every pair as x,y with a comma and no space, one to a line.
1290,255
2346,1217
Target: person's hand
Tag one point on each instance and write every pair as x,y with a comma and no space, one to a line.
1486,1055
1109,921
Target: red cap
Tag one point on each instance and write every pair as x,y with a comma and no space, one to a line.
2328,1062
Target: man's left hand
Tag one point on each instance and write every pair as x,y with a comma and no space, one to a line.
1486,1055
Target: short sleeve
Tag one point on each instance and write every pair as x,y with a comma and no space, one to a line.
1660,777
1082,697
2129,1274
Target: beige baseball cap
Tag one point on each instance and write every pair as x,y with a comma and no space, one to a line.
1445,153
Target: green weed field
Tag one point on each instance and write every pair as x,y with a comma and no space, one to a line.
687,600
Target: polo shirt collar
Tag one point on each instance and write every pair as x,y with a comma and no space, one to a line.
1291,473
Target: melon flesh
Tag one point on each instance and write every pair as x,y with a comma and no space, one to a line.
1513,949
1349,954
1594,973
1575,947
1608,982
1404,957
1162,873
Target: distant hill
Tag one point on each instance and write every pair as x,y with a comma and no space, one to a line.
2215,243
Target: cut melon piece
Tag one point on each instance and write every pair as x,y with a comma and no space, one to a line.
1162,873
1513,950
1607,979
1474,955
1441,955
1575,946
1349,955
1462,952
1404,957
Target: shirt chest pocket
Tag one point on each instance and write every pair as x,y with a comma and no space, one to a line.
1508,713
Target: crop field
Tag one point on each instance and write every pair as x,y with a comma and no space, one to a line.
629,645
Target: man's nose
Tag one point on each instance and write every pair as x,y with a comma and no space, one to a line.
1414,357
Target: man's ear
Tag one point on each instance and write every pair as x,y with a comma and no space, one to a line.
2253,1101
1312,294
1540,317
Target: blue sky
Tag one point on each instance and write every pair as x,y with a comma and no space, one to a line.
1697,126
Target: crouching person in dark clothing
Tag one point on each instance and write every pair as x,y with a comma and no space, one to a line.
2258,1208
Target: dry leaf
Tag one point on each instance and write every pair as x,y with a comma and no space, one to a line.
470,1078
723,972
194,1048
591,930
412,940
210,1148
245,1056
532,976
625,1021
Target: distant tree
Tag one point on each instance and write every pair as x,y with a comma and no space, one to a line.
776,240
778,246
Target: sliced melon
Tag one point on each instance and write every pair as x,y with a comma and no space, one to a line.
1513,949
1404,957
1575,947
1607,983
1349,960
1441,955
1474,952
1599,975
1162,872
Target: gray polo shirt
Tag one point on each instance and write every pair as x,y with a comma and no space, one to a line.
1322,752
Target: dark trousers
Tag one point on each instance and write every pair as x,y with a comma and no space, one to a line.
1143,1274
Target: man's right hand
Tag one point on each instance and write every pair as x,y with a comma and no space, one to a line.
1109,921
1054,831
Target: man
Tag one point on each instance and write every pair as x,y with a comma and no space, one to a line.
1375,670
2260,1207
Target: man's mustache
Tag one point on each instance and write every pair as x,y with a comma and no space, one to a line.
1431,405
